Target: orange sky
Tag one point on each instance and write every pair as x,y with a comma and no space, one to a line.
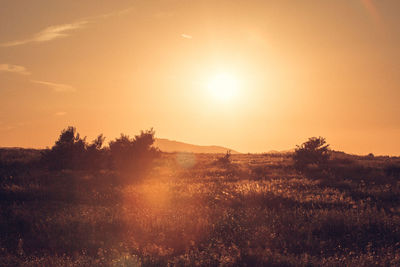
301,68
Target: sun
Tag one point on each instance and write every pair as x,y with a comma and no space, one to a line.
223,86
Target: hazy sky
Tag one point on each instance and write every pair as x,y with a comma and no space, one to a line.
250,75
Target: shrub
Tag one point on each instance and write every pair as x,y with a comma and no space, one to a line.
95,156
125,154
226,159
67,152
312,154
133,155
73,152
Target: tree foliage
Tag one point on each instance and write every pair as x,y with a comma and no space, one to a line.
315,152
67,150
71,151
124,154
226,159
133,155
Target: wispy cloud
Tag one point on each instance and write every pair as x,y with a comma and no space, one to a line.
62,30
50,33
14,69
60,113
186,36
57,87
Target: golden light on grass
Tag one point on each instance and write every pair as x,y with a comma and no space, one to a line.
156,194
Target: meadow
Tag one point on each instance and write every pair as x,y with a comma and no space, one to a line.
201,210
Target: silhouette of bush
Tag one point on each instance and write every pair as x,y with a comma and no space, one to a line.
96,157
124,154
73,152
67,152
311,155
226,159
133,155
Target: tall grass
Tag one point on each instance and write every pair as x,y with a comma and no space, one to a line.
254,211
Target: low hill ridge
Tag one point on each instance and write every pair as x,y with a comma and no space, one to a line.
167,145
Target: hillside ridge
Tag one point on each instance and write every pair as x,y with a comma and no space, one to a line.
167,145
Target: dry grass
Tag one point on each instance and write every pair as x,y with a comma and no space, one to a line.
191,211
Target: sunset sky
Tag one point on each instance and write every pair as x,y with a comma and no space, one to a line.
250,75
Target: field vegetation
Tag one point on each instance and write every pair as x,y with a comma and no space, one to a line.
128,204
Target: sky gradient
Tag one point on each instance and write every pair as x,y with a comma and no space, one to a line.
301,68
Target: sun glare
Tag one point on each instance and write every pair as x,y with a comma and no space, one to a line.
223,86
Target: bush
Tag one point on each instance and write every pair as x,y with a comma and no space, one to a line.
312,154
124,154
133,155
95,156
224,161
67,152
73,152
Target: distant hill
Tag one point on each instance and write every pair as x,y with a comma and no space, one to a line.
175,146
281,151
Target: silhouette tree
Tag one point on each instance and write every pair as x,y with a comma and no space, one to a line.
313,152
95,156
68,151
226,159
125,154
133,156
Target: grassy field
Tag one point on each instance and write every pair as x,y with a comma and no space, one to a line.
195,210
